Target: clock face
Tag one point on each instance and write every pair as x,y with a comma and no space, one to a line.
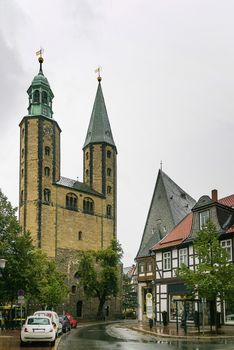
47,130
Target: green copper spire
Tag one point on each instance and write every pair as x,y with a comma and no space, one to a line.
99,130
40,95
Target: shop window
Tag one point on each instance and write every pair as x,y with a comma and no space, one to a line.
88,206
71,201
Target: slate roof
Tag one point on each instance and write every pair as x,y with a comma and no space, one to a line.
170,204
99,129
182,231
76,185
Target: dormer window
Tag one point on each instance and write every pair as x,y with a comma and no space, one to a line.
204,217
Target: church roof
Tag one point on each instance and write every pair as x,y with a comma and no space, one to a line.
99,129
77,185
169,205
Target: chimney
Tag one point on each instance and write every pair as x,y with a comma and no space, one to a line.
214,195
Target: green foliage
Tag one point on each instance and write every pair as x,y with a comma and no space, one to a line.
27,268
214,275
98,272
129,296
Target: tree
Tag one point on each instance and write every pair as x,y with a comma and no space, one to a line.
129,296
98,272
213,277
27,267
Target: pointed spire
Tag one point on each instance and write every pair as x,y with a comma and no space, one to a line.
99,130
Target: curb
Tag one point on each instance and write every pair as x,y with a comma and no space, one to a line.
184,337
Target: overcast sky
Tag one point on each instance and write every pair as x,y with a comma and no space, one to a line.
168,83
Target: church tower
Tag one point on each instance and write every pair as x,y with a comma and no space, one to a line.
99,154
39,163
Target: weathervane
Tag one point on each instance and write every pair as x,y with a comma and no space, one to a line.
40,58
98,70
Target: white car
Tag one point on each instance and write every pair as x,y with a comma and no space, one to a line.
38,329
54,318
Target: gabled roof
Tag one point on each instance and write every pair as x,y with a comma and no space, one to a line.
182,231
76,185
99,130
169,205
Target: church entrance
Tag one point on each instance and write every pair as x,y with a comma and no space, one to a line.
79,308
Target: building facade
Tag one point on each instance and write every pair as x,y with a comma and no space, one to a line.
169,205
177,248
65,216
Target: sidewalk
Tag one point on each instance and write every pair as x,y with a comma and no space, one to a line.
170,331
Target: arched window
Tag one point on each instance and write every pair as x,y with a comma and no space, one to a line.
108,171
88,206
80,236
44,98
47,150
22,153
108,211
47,171
108,153
22,172
36,96
87,155
46,195
71,201
87,173
109,189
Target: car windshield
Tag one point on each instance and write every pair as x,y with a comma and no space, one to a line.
38,321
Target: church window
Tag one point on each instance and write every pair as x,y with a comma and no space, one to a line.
108,211
87,173
87,155
23,132
46,195
108,171
109,189
21,197
22,172
47,150
108,154
22,153
88,206
71,201
44,97
80,236
36,96
73,289
47,171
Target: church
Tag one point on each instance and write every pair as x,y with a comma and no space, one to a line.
65,216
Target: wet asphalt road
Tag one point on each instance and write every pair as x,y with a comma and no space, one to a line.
117,337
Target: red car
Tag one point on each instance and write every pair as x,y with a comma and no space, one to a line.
72,320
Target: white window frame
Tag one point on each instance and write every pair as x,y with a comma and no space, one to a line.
227,246
183,256
149,267
166,261
204,216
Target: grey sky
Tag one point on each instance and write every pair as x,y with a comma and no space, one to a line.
168,83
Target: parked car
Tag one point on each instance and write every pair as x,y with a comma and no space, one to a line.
72,320
38,329
54,318
66,326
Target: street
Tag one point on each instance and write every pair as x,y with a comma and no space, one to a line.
117,336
